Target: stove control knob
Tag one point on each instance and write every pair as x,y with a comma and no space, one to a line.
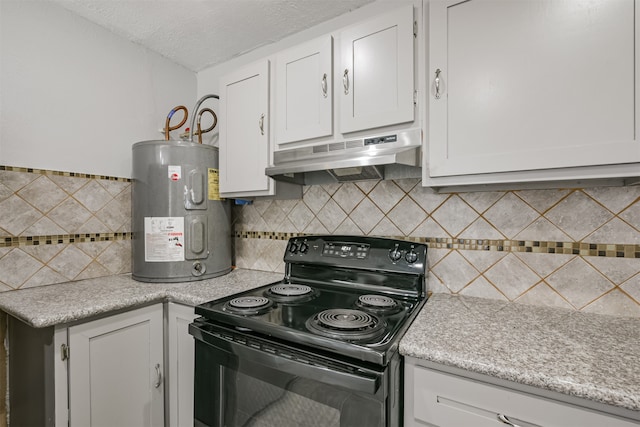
411,256
293,248
304,248
395,254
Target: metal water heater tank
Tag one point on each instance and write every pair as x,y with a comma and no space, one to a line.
181,228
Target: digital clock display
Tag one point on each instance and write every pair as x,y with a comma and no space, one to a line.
345,250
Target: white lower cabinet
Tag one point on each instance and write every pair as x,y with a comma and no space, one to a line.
105,372
116,370
434,398
180,365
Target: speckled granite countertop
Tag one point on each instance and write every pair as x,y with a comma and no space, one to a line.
588,356
69,302
584,355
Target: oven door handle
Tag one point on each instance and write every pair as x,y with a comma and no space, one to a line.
291,362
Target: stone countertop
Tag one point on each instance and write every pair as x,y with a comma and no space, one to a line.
590,356
73,301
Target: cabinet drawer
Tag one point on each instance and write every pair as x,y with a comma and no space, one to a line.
447,400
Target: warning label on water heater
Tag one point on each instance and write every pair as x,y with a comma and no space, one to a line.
214,184
163,239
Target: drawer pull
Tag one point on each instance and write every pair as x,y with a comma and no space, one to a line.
513,422
503,418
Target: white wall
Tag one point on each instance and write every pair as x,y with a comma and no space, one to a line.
74,96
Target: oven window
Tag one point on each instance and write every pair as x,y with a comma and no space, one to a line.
298,403
235,392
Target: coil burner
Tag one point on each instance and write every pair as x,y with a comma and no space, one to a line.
248,305
290,293
346,324
378,304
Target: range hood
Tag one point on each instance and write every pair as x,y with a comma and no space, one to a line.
392,155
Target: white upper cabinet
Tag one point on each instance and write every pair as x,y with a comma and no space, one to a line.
244,132
304,91
530,85
376,70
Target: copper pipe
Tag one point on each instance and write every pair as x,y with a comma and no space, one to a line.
195,110
215,122
167,128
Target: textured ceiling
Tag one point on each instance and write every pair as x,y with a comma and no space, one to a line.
200,33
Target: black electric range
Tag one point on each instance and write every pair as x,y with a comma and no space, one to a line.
350,296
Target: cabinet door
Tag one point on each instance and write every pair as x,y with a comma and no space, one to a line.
244,131
531,84
376,72
115,370
181,365
304,91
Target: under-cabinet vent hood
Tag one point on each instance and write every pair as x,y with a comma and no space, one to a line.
387,156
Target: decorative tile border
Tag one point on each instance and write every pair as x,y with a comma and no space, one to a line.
566,248
13,242
267,235
59,173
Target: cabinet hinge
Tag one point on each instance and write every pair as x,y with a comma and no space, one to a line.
65,352
415,97
415,29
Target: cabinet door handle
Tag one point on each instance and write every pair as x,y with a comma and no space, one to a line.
64,352
261,124
436,84
158,376
345,81
323,84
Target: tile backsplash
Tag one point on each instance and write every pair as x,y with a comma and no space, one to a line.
573,248
56,227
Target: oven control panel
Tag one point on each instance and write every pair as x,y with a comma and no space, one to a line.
358,252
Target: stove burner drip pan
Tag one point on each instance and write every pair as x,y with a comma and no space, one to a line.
378,304
248,305
290,293
290,290
346,324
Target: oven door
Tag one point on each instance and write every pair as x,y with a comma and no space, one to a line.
245,380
